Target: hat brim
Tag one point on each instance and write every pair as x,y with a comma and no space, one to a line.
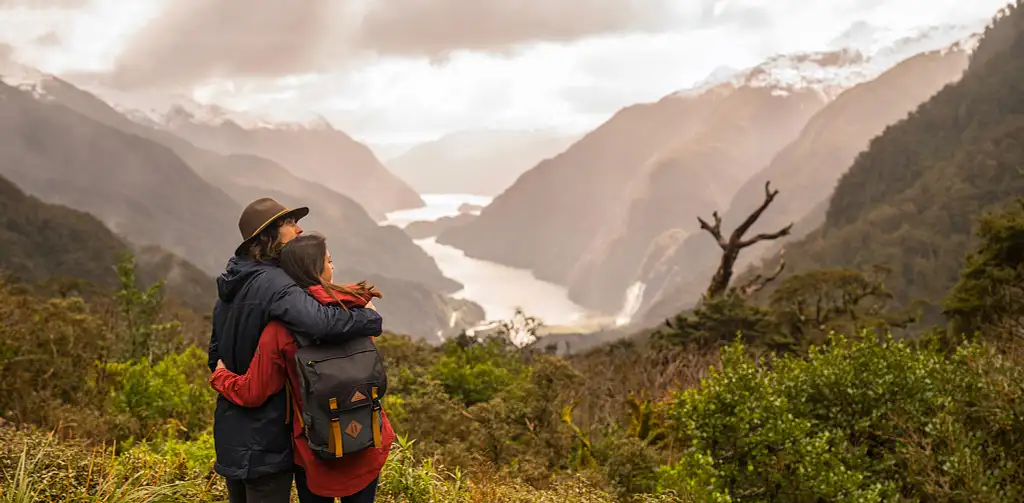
296,213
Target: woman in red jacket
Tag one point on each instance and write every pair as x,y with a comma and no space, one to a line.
352,478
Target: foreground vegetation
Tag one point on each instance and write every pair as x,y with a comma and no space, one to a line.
107,400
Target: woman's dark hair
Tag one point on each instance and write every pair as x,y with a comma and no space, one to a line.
303,260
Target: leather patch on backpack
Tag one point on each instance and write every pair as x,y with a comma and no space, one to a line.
357,397
353,429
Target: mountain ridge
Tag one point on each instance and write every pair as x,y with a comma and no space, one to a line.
805,172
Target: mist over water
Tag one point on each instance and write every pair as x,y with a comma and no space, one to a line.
437,206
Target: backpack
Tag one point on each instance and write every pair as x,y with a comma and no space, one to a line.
341,386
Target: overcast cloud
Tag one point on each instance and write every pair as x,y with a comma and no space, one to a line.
410,70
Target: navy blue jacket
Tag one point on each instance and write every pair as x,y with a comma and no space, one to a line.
252,442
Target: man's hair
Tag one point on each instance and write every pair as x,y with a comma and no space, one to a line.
267,244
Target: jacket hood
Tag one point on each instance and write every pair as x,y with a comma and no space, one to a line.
236,275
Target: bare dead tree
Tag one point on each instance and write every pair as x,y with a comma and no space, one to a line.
732,246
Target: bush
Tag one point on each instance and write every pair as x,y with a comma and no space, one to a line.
854,421
477,372
168,399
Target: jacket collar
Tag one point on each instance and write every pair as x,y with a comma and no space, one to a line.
323,297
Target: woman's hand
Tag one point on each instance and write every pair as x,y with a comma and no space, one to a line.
220,364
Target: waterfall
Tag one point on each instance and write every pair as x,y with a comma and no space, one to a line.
634,299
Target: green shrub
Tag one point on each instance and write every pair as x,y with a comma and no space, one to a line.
477,372
167,399
854,421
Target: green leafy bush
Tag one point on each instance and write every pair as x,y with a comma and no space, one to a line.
854,421
476,372
168,399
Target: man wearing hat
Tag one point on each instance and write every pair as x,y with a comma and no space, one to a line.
254,447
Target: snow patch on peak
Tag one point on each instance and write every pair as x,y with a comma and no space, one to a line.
859,54
25,78
168,110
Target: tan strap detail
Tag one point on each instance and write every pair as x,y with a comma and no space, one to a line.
375,422
335,442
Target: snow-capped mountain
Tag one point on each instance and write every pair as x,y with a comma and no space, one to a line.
858,55
163,110
152,109
25,78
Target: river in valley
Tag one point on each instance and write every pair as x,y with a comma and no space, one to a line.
498,288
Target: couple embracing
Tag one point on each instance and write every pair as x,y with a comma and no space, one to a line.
296,368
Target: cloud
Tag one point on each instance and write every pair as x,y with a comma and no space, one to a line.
194,40
48,39
6,52
411,70
45,4
436,27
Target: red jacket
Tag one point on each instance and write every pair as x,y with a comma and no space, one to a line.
274,360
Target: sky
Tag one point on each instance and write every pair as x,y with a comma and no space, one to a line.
397,72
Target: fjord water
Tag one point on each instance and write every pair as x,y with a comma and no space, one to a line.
496,287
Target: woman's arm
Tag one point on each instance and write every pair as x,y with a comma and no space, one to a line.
305,316
266,374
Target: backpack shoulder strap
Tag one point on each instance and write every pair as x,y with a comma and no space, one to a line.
293,405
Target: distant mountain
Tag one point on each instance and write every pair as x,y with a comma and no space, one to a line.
550,216
136,187
805,172
586,218
313,149
745,127
910,200
39,241
246,177
483,162
70,147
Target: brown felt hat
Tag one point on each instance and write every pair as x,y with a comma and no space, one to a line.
261,213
